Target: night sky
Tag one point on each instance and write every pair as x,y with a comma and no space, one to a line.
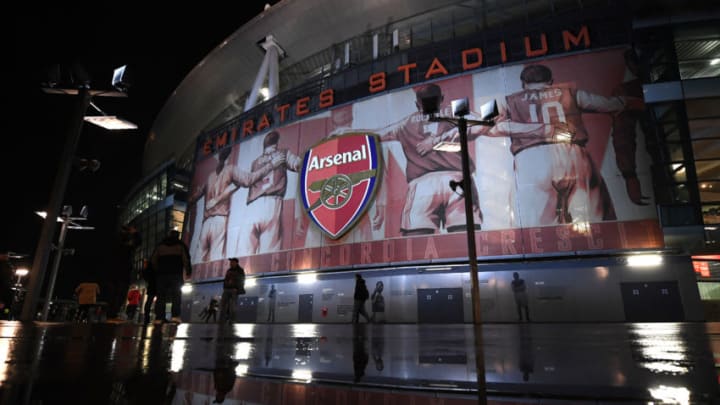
160,48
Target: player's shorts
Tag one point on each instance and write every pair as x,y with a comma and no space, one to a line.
260,230
431,204
212,238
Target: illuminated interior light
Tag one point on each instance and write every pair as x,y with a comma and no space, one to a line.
177,355
443,268
241,370
304,375
644,260
307,278
250,282
715,61
186,288
304,330
243,350
244,330
265,92
671,395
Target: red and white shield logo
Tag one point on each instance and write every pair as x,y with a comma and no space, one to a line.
339,179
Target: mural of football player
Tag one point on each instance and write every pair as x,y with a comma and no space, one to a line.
260,225
557,181
217,191
430,204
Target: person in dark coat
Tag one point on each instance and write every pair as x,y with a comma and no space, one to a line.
233,285
361,295
171,264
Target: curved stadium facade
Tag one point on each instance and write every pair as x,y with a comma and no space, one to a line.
596,184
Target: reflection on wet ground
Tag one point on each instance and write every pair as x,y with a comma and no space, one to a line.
332,364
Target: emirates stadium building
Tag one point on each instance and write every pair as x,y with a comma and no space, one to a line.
320,141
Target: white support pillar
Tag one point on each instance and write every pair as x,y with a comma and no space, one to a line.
269,69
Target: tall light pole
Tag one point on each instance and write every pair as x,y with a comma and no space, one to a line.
83,95
460,108
68,222
42,252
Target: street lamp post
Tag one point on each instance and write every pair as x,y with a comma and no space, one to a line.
42,252
83,96
460,108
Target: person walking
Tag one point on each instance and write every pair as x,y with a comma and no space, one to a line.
150,290
361,295
87,293
171,265
233,285
133,301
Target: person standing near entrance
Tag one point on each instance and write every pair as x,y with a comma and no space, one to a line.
272,296
233,285
521,299
171,266
361,295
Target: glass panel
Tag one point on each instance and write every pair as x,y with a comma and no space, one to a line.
697,69
706,149
703,108
465,24
670,131
404,38
709,290
708,170
678,215
680,193
705,128
666,112
421,34
442,28
673,152
711,214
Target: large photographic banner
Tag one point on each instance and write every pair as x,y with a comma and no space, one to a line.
564,169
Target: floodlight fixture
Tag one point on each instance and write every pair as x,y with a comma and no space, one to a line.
111,122
120,79
460,107
489,110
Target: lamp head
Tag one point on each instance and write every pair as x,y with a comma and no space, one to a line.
489,110
120,79
460,107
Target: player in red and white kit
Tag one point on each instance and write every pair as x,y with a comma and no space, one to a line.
260,226
430,203
557,182
217,191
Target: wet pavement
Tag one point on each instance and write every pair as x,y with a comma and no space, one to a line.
50,363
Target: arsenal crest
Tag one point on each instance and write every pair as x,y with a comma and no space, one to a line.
339,179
